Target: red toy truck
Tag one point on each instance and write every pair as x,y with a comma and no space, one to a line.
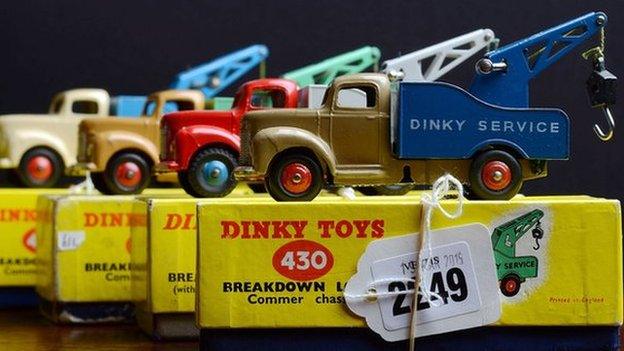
203,146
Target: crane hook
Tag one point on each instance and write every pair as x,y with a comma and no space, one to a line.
538,233
610,123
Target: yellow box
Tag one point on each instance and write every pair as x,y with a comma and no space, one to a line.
83,256
18,242
578,282
163,260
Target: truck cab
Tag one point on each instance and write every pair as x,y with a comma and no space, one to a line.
120,153
39,146
203,146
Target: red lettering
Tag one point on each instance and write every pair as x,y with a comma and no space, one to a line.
173,221
299,227
230,229
188,220
280,230
361,227
261,229
90,220
325,226
378,228
344,229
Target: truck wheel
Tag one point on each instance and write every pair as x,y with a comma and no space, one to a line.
40,168
294,178
510,285
257,188
495,175
210,173
126,173
395,189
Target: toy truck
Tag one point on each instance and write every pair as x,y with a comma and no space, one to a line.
38,147
412,133
202,146
120,153
205,162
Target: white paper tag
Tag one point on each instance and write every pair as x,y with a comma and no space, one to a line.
71,240
459,273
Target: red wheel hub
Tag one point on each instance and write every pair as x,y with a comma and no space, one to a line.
510,286
128,174
40,168
496,175
296,178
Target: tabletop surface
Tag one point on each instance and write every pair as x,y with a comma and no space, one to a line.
28,330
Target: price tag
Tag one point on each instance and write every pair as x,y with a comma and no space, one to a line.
459,278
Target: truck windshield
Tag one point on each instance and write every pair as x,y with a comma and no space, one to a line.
268,98
170,106
56,105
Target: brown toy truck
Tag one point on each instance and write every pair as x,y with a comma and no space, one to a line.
121,153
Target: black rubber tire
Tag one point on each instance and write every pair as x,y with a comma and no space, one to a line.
98,181
58,168
112,187
478,190
273,184
396,189
194,183
503,283
184,183
257,188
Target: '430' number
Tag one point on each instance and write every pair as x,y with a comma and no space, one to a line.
457,291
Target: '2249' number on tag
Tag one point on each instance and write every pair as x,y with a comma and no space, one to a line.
455,280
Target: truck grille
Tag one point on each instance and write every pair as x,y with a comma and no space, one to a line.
82,146
245,140
164,135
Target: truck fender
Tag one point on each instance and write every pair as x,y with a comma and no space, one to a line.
28,139
191,139
496,143
270,141
120,140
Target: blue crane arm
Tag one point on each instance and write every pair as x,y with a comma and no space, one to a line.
521,61
213,77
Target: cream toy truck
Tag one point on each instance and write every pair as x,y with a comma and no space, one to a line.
39,146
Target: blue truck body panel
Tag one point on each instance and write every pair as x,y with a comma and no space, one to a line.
133,105
443,121
127,105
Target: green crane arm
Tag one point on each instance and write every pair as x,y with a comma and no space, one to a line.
506,235
325,71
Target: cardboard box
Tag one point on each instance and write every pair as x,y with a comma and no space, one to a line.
164,261
83,257
18,244
577,281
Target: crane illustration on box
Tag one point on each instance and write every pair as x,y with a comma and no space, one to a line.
408,133
514,270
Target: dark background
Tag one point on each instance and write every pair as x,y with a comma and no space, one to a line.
137,46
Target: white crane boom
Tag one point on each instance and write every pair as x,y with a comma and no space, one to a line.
440,58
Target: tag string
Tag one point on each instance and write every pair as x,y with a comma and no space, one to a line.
431,201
